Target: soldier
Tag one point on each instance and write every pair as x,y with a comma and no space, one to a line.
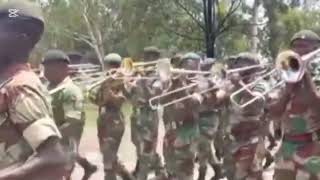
180,119
297,110
110,98
144,123
210,115
245,154
67,105
30,140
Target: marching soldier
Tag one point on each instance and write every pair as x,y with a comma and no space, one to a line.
245,154
210,115
144,123
297,110
110,98
67,105
180,119
30,140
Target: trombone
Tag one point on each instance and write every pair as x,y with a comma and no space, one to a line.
292,68
215,80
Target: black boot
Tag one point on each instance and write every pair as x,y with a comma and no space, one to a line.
88,168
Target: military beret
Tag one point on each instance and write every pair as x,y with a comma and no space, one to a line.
192,56
151,49
112,57
54,55
21,8
306,35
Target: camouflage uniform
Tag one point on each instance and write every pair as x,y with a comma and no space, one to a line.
26,120
299,157
26,116
144,130
209,143
111,125
144,122
68,108
246,155
182,131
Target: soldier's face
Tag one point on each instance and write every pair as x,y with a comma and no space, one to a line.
150,57
303,47
191,65
55,71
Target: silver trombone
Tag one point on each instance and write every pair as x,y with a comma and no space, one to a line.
215,80
292,68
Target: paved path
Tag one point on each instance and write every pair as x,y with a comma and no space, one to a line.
89,147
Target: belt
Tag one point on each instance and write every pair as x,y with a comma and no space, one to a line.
305,137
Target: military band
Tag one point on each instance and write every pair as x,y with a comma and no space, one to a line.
244,119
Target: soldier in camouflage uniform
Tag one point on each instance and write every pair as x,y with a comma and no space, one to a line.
30,140
110,98
144,122
298,118
68,106
245,154
181,128
209,120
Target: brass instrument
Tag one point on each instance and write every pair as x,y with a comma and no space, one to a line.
292,68
215,79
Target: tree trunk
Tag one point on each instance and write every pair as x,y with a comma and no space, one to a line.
210,14
254,27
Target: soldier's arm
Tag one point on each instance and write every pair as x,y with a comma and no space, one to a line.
31,113
73,103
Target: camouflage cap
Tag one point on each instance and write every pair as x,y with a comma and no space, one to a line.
55,55
21,8
306,35
151,49
112,58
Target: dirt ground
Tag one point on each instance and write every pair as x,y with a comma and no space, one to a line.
89,148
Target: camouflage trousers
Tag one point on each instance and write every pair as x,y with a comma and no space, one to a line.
208,154
250,160
180,148
299,160
71,146
110,131
144,134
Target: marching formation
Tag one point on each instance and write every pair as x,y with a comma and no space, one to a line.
242,117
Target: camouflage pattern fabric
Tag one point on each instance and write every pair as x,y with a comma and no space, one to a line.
110,124
26,116
182,134
248,131
144,130
68,113
300,146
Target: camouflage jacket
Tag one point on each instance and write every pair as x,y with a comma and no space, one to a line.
25,117
246,124
110,94
67,103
